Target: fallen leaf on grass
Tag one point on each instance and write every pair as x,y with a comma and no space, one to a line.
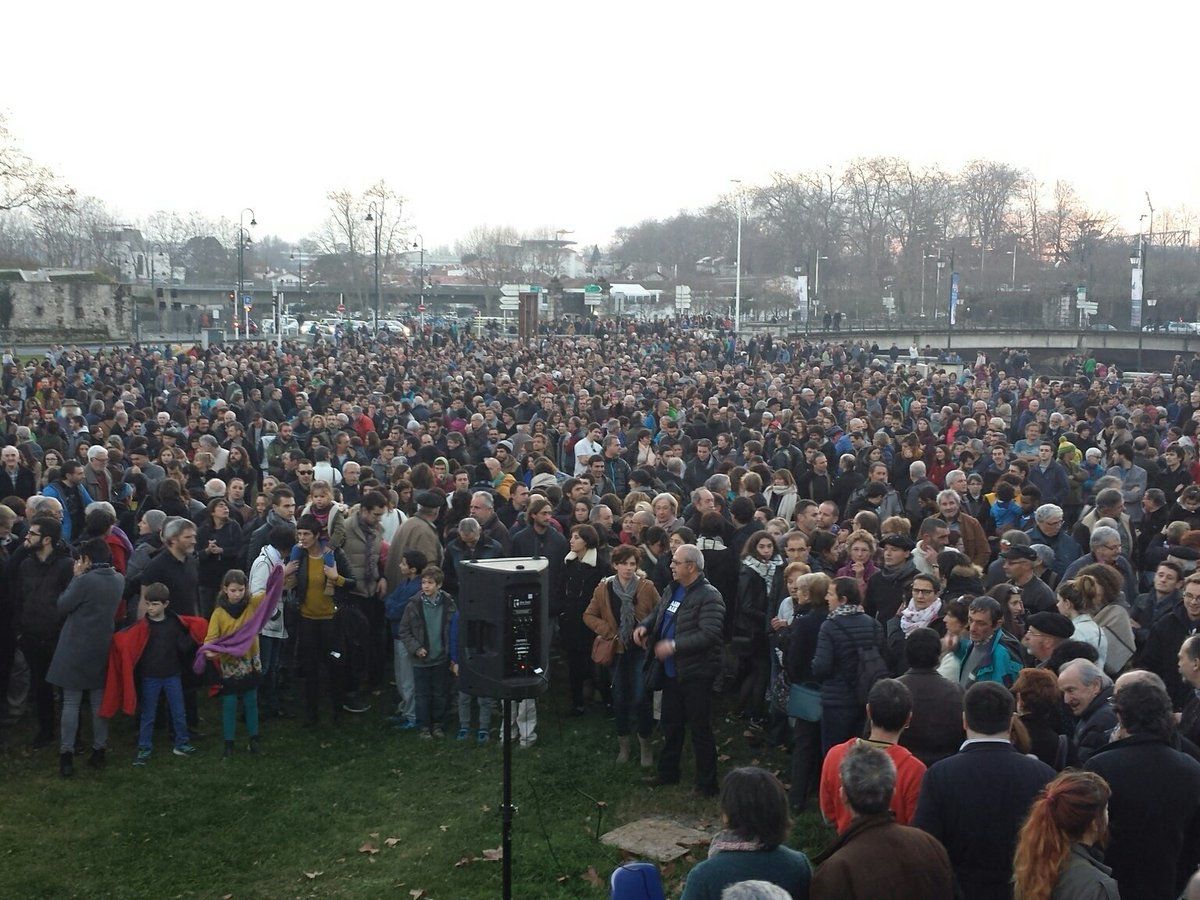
417,893
311,875
391,842
371,859
368,847
592,877
444,827
465,861
485,808
724,757
373,834
562,879
493,855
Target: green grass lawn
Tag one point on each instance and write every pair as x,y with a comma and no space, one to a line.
293,821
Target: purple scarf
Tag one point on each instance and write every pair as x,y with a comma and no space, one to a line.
238,642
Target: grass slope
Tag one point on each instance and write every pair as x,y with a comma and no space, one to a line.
291,822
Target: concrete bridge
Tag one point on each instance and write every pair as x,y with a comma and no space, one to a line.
1121,346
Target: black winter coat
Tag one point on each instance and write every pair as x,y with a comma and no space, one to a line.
799,644
975,802
888,592
1154,816
755,607
836,656
1160,654
39,584
699,627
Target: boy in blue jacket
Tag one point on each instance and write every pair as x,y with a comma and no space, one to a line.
411,565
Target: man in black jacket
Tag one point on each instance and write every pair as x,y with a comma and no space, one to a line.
44,570
1154,811
976,801
685,633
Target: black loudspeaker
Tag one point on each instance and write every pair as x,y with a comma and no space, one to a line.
504,628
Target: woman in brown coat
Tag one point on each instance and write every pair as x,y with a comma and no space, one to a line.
618,604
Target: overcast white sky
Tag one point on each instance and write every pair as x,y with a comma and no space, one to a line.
588,116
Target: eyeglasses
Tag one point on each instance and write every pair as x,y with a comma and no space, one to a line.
924,591
33,534
304,471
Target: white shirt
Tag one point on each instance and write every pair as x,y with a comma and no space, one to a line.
585,450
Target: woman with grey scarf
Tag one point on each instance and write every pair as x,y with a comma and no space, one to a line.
618,604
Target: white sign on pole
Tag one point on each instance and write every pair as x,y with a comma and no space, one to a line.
683,297
802,297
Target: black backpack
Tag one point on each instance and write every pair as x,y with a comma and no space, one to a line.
872,666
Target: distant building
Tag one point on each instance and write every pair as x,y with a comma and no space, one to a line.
136,260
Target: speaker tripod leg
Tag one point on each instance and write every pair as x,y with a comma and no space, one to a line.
506,807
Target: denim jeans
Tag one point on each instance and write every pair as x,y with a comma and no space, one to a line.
403,669
629,692
270,651
72,700
173,688
839,724
485,711
432,689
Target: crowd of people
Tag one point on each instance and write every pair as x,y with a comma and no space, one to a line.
963,598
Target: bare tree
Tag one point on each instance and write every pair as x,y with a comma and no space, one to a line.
23,182
987,191
489,253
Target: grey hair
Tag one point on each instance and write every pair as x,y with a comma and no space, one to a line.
697,493
754,890
949,494
1045,554
665,496
176,526
869,779
100,504
485,498
718,484
1047,511
1089,673
1102,535
675,465
468,526
1108,497
693,554
214,488
95,450
955,475
207,440
39,502
916,469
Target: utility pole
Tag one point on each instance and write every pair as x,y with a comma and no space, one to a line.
737,278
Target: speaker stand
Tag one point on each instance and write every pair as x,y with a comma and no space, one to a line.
506,807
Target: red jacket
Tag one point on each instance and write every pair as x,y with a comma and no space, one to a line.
123,655
909,773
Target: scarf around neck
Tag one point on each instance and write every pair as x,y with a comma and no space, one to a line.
912,618
765,570
627,598
732,842
847,609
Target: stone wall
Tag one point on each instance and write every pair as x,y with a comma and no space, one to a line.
65,312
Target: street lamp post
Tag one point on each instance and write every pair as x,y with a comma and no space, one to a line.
137,322
737,277
1013,254
420,243
243,240
817,283
298,256
376,218
924,256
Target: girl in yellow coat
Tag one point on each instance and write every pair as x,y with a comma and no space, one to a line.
239,674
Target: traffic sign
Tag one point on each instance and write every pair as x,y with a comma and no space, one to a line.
421,308
341,307
592,289
247,301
